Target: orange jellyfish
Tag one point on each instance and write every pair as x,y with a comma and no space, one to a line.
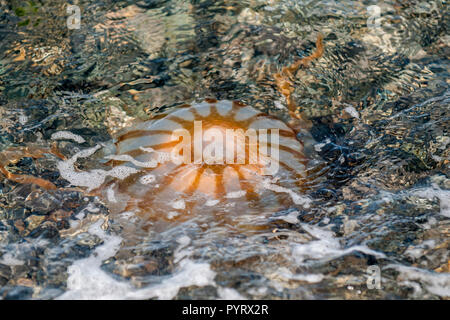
212,158
217,156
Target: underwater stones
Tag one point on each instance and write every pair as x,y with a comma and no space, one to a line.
20,227
195,292
137,267
290,216
361,199
47,230
34,221
61,217
396,240
349,226
16,292
42,201
5,274
49,293
444,267
25,282
49,59
325,193
88,241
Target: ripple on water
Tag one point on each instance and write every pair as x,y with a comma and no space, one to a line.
378,101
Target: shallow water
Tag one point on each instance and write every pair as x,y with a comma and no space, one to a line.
378,100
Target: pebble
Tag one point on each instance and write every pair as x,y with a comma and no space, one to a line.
34,221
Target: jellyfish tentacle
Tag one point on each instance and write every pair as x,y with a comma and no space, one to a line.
284,79
14,154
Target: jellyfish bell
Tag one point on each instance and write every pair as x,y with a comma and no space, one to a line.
209,158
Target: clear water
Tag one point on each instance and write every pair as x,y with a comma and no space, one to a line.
378,100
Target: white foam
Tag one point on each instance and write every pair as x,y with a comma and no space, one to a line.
13,252
90,207
125,157
147,179
257,291
128,215
325,247
352,111
182,252
91,179
163,157
23,119
211,202
110,195
279,104
419,250
10,260
184,241
235,194
148,149
310,278
229,294
87,281
190,274
436,192
298,199
444,141
292,217
285,274
172,214
318,146
434,282
67,135
179,204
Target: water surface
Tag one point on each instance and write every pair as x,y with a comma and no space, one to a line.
378,100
